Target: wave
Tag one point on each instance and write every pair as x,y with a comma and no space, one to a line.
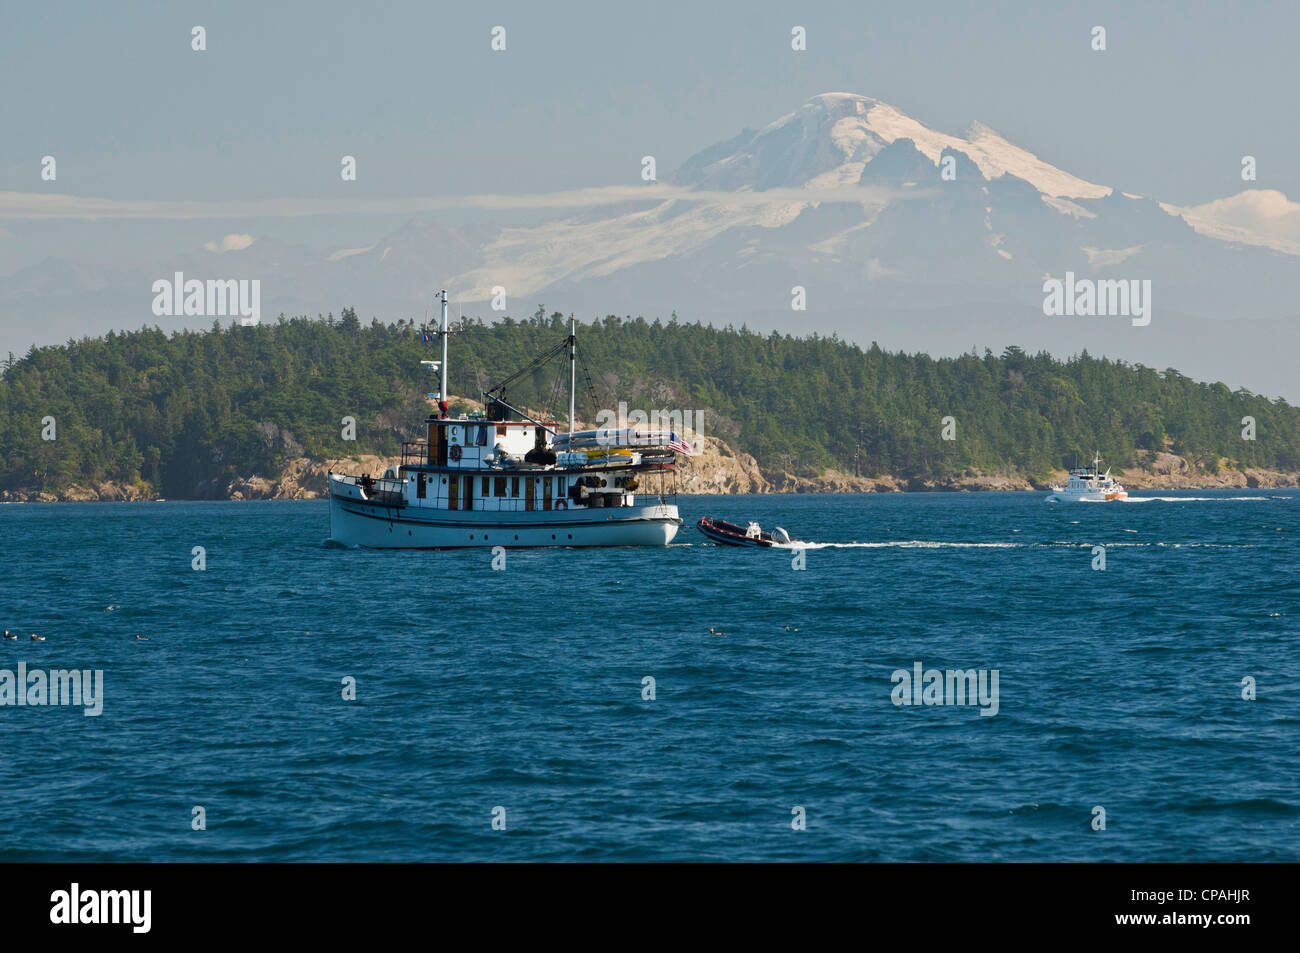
1257,805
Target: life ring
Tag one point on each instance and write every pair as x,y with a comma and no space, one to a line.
456,452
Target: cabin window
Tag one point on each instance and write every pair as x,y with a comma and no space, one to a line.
514,487
481,438
499,486
421,483
501,430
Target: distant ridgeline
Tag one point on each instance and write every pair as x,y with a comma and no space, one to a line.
173,412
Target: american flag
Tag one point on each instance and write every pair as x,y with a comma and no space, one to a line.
679,445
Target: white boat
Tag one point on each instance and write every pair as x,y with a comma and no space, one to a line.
1088,485
495,479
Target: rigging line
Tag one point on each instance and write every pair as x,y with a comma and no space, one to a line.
538,362
472,386
480,371
557,388
591,389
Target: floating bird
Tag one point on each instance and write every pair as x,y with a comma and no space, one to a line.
142,638
10,636
713,631
111,608
37,638
792,628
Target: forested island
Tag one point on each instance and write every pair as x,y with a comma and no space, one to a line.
144,414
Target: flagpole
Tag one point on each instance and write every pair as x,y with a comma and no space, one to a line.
573,358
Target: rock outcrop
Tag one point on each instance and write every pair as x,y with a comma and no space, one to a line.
718,468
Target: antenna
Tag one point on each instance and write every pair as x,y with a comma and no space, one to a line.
442,394
573,359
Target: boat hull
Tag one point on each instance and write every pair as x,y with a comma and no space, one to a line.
731,534
1064,496
727,539
377,526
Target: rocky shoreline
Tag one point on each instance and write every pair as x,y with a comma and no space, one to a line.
718,469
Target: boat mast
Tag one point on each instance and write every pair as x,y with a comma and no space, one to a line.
573,357
442,393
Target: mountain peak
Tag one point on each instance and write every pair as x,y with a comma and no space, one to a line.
830,139
978,130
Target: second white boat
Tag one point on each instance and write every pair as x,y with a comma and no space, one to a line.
1088,485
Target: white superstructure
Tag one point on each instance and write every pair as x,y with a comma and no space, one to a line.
1088,485
495,480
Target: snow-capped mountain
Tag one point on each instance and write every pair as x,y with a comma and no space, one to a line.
832,137
846,197
896,232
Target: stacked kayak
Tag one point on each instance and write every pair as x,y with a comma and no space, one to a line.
628,438
607,437
612,456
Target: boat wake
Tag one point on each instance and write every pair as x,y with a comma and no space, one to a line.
335,544
1199,499
943,544
904,544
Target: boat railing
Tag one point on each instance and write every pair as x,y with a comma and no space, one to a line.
382,490
415,453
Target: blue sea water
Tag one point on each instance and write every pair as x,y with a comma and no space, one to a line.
522,688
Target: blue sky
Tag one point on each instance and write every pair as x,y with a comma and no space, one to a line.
254,127
583,90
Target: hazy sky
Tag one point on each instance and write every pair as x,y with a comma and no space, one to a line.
583,90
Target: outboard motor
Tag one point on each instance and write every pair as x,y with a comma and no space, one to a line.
781,536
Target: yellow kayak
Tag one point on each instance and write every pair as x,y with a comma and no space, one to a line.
605,452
